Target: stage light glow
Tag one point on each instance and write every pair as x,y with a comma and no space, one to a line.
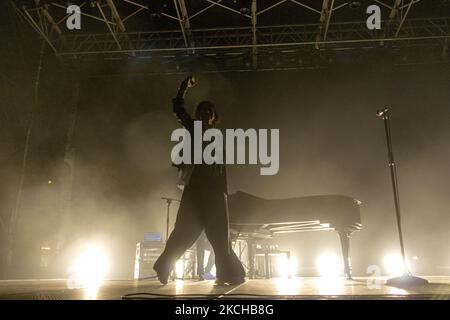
89,270
393,264
287,286
213,270
397,291
179,285
205,262
179,269
330,286
183,267
286,267
329,265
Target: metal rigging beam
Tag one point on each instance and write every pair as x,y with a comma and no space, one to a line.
327,24
271,7
204,9
116,16
85,14
403,18
52,22
305,6
108,25
395,9
36,27
242,37
228,8
324,21
183,18
119,22
254,37
234,44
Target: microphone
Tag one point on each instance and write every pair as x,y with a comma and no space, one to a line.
382,112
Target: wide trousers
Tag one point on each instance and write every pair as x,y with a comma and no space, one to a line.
202,208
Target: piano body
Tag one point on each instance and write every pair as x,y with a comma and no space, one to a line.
253,217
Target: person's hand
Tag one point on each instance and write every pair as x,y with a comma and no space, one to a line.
190,81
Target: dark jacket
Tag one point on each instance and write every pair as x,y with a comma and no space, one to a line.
212,175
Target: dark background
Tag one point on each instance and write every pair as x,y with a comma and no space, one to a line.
331,142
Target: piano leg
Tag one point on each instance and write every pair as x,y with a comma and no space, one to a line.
251,258
345,244
288,255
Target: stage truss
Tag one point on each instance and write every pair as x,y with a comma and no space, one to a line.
336,32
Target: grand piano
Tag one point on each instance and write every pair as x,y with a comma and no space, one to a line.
253,218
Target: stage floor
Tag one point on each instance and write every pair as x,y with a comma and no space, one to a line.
276,288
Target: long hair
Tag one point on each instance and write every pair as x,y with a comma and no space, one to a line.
204,111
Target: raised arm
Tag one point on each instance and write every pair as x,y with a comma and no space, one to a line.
178,104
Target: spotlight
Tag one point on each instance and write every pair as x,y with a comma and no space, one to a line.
286,267
182,265
89,269
179,269
393,265
329,265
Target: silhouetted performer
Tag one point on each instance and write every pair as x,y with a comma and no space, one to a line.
202,244
203,204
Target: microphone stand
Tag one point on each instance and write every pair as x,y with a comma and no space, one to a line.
407,279
169,202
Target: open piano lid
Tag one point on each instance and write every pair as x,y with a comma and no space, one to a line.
320,212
